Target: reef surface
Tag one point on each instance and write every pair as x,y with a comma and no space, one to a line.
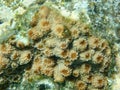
55,49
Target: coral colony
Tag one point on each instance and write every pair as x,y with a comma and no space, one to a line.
59,48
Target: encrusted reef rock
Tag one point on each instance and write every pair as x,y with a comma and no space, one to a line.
59,48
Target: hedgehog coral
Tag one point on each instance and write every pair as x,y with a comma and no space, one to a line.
34,20
14,65
51,42
63,45
48,62
61,49
98,57
44,25
64,53
61,71
43,65
80,44
5,48
3,62
61,53
87,55
48,52
34,34
75,32
66,49
25,57
80,85
57,76
103,44
36,67
15,55
58,30
94,42
76,73
39,46
87,78
99,81
105,64
73,55
85,28
44,11
47,71
20,44
108,51
67,62
85,69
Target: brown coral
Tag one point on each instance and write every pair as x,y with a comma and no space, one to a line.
103,44
87,78
25,57
36,67
67,48
48,52
44,25
73,55
99,81
87,55
61,71
3,62
98,57
44,11
5,48
20,44
76,72
85,69
48,62
58,30
75,32
15,55
80,85
80,44
63,49
94,42
34,33
47,71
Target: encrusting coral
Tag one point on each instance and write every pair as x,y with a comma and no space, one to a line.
3,63
61,48
25,57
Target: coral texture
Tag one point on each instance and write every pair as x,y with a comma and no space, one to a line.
62,49
72,49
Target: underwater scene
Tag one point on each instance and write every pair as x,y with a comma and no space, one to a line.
59,44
